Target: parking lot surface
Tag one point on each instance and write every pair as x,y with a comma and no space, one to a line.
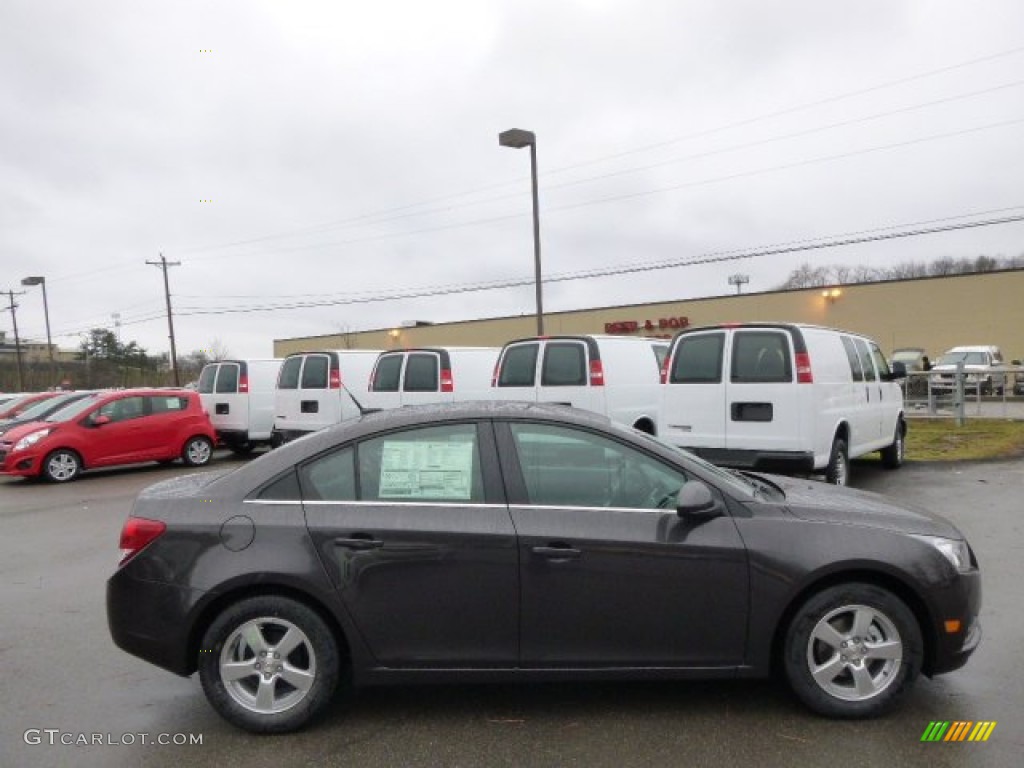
66,682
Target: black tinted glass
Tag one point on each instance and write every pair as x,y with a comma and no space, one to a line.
519,366
206,378
385,378
314,372
289,376
759,357
698,360
565,365
227,379
421,373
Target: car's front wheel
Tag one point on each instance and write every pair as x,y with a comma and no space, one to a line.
62,466
197,451
851,650
269,664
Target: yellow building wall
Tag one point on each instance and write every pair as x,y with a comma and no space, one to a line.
933,313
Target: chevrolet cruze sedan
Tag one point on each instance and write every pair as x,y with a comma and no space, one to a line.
518,541
106,429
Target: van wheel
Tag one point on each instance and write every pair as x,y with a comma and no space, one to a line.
838,470
851,650
892,455
241,449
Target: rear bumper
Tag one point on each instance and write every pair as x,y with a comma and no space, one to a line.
781,462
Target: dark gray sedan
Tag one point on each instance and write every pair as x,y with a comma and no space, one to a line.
516,541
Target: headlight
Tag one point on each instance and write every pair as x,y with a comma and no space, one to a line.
29,440
954,550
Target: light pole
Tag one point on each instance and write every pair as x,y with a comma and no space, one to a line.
40,280
739,280
517,139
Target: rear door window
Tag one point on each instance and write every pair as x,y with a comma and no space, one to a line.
698,359
206,379
388,373
289,377
519,366
314,372
761,357
422,373
227,379
565,364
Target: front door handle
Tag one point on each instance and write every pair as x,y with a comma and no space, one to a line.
558,552
359,541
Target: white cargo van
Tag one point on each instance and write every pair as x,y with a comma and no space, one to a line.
782,397
317,389
239,397
616,376
431,375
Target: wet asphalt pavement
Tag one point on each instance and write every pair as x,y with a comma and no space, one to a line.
61,671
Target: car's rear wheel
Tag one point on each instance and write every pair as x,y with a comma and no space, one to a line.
62,466
269,664
838,470
893,454
851,650
197,451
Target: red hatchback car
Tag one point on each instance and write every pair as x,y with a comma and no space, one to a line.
111,428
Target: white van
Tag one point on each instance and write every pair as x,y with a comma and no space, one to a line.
318,389
616,376
782,397
431,375
238,395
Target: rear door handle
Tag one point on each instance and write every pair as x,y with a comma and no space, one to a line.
558,552
359,541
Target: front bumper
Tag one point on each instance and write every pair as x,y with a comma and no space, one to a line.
962,602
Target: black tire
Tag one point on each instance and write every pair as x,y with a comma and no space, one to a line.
241,449
197,452
62,466
864,678
894,453
314,659
838,470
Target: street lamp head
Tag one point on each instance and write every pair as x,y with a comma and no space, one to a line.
517,138
34,280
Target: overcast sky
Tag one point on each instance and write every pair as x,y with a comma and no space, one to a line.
304,150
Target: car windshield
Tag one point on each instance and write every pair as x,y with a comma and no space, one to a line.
905,356
967,358
734,480
37,410
71,410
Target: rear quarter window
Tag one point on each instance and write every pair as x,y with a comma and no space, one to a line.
163,404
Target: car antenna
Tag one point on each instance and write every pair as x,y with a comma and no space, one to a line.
363,410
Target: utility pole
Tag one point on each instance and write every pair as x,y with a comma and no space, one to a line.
17,340
164,264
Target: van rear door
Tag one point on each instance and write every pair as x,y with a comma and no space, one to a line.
308,392
516,372
693,412
228,408
386,380
424,378
761,401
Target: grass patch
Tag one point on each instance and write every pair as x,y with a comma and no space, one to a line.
943,440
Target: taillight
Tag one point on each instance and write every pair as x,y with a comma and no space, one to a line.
596,373
243,384
138,533
803,368
663,372
335,380
494,376
447,383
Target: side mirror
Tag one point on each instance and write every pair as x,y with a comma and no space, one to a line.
696,500
899,370
99,421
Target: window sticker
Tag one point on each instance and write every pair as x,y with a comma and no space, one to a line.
426,470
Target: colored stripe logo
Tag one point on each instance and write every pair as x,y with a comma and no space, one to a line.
958,730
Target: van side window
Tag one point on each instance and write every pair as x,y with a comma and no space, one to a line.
206,379
314,372
880,362
421,373
227,379
761,357
289,377
865,360
387,373
698,360
518,366
853,358
565,365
